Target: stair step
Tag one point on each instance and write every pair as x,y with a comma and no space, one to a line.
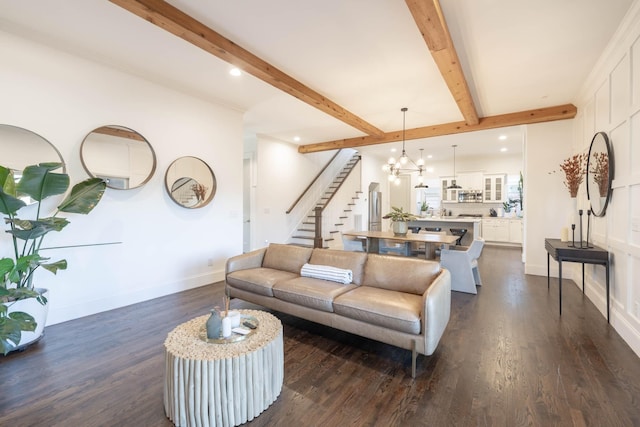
351,204
303,237
347,210
333,231
307,222
338,224
307,230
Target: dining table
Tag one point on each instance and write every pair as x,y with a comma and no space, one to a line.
432,241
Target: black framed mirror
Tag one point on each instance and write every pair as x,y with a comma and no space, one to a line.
599,173
190,182
119,155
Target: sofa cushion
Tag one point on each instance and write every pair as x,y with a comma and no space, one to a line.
403,274
310,292
347,260
399,311
286,257
258,280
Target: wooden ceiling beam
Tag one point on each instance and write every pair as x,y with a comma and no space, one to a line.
549,114
431,23
171,19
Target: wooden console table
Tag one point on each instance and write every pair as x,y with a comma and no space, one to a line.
562,251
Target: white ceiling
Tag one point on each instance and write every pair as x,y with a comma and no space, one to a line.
366,55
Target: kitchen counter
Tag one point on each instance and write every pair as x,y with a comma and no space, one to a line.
452,219
446,223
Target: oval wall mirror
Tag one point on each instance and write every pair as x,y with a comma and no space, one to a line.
190,182
21,148
599,173
119,155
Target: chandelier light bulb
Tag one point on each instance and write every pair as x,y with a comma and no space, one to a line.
420,162
386,168
397,181
392,178
404,158
391,161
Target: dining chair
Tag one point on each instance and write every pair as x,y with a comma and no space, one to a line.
462,263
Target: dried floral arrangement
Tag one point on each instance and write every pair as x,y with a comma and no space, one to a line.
574,169
200,191
601,172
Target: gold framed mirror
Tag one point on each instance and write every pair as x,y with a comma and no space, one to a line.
119,155
190,182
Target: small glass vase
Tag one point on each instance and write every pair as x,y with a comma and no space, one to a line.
214,325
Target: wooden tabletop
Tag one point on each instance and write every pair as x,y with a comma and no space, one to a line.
409,237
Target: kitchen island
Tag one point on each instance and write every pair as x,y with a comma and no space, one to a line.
472,225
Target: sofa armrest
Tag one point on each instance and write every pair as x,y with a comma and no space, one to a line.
436,310
245,261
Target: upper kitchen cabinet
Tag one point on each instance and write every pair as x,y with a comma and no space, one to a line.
494,188
448,195
466,180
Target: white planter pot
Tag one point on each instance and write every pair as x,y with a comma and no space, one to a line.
38,311
400,228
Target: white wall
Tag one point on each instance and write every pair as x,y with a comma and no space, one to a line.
610,102
165,248
282,175
547,203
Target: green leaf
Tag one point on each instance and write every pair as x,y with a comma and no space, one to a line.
39,182
11,327
54,267
84,196
9,204
6,265
27,229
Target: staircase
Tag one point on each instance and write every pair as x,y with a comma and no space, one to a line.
321,224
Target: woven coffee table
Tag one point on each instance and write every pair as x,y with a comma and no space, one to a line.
222,384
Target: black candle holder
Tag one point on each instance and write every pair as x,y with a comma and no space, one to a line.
580,216
588,246
573,236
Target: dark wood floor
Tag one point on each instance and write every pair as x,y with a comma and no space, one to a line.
506,359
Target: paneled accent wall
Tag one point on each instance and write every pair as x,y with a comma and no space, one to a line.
610,102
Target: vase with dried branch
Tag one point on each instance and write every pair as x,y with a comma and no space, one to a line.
200,191
574,169
601,172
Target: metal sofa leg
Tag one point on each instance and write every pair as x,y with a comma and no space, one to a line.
414,357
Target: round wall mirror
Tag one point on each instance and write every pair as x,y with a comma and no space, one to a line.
599,173
119,155
190,182
21,148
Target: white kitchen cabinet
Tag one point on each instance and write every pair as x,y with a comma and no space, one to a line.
448,196
495,229
494,188
505,230
515,230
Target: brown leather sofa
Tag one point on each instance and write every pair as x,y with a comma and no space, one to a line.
405,302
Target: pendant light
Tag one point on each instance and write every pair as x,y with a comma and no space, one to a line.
404,163
454,185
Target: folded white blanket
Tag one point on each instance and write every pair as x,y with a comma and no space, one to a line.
327,272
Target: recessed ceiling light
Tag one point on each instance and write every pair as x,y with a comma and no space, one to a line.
502,137
503,149
296,138
429,156
235,72
393,150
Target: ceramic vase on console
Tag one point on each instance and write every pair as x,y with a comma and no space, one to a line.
214,325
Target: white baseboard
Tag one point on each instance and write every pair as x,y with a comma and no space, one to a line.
59,313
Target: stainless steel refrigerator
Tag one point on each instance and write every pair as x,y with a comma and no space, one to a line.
375,207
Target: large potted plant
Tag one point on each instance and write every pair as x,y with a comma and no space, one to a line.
21,303
399,220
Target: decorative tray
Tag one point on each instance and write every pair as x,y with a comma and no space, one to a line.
245,320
